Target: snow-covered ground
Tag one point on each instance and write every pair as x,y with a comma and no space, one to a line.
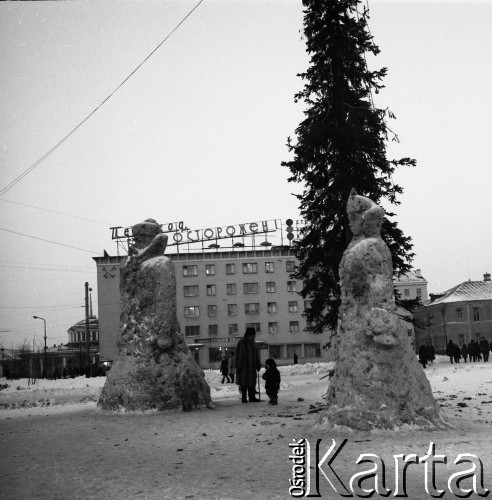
21,394
56,443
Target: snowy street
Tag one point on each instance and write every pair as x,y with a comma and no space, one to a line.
73,450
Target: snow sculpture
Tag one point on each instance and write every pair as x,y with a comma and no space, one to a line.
154,367
378,382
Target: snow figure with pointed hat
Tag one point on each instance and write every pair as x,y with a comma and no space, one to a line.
154,368
378,382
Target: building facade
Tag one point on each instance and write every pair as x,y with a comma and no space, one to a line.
77,332
218,295
460,314
222,290
411,286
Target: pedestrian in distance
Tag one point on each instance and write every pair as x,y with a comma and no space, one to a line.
247,365
296,358
431,353
464,352
484,348
232,366
272,381
471,351
457,353
474,350
453,351
224,369
450,351
423,353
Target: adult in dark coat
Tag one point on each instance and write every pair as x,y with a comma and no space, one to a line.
457,353
453,351
474,350
464,352
423,355
248,364
485,348
431,353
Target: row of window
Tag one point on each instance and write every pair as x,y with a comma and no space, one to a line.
310,351
418,292
249,308
233,328
247,267
275,351
476,314
248,288
80,336
478,337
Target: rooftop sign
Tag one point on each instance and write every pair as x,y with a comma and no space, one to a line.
123,233
218,233
240,234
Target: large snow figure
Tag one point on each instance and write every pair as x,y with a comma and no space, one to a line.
378,382
154,367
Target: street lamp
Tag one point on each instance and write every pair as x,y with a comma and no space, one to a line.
45,347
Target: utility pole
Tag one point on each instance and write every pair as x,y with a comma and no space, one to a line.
45,346
87,332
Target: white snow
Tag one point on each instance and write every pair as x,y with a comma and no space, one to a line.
235,451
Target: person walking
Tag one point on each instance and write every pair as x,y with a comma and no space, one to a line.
423,353
232,366
453,351
224,369
456,353
485,348
464,352
247,365
296,358
474,350
272,381
431,353
450,351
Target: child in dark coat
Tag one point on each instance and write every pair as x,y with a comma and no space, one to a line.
272,381
224,369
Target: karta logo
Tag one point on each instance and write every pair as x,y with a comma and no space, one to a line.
375,477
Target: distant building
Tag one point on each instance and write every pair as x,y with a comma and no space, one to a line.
76,333
411,286
460,314
227,279
61,360
7,357
219,295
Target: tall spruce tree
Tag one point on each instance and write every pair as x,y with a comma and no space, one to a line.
341,144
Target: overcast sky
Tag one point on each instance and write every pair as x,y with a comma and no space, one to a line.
199,131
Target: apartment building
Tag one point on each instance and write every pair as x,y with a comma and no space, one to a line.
460,314
218,295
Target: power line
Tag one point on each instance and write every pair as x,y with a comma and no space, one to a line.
40,307
30,264
49,241
59,143
21,314
49,269
55,212
54,322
